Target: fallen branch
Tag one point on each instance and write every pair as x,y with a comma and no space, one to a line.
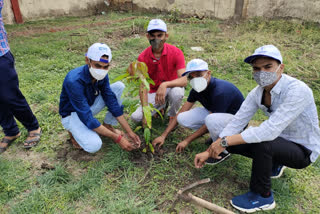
208,205
198,201
181,191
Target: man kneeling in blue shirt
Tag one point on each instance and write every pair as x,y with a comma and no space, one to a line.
85,92
220,100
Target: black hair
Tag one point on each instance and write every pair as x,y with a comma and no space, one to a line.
154,31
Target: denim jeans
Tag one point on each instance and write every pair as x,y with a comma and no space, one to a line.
88,139
12,102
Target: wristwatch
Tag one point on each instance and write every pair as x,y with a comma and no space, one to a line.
224,142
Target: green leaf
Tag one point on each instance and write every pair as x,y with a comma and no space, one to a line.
135,93
154,109
137,128
151,148
150,81
121,77
146,84
144,150
147,135
147,115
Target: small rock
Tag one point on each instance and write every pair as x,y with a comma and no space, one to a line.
197,48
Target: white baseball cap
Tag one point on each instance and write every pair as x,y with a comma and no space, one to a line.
266,51
196,65
97,50
157,24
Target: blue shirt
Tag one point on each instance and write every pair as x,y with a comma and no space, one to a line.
220,96
78,94
4,46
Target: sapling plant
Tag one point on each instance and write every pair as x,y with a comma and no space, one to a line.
137,80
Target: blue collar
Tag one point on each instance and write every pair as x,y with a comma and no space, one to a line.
85,75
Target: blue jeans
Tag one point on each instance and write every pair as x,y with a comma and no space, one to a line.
12,102
88,139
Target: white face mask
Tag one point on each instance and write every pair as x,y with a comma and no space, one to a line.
98,74
199,84
265,78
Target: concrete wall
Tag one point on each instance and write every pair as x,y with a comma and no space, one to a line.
36,9
301,9
222,9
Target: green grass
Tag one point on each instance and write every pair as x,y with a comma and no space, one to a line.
114,181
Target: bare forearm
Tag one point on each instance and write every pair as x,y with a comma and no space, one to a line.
235,140
186,107
124,124
173,123
101,130
203,129
180,82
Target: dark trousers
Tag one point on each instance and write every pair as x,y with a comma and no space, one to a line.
12,102
266,154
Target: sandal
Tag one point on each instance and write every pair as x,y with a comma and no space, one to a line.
33,142
8,142
74,142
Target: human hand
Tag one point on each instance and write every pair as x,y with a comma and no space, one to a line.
215,149
159,141
200,159
135,139
161,94
181,146
125,144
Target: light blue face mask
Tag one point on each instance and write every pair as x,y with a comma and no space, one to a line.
265,78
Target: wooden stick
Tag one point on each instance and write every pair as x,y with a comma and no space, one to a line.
208,205
203,181
180,194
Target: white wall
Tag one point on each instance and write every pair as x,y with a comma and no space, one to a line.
222,9
35,9
302,9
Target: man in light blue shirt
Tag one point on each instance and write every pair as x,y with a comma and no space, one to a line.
289,137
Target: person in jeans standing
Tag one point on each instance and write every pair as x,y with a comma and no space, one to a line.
289,137
12,102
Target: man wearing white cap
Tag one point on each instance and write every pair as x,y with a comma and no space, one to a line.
165,66
220,100
289,137
85,92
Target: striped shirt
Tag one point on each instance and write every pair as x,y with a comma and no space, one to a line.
292,116
4,46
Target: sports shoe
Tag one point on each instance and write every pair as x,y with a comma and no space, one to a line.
251,202
277,171
212,161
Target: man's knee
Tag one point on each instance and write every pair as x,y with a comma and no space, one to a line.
136,116
210,122
176,93
183,120
92,146
117,87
